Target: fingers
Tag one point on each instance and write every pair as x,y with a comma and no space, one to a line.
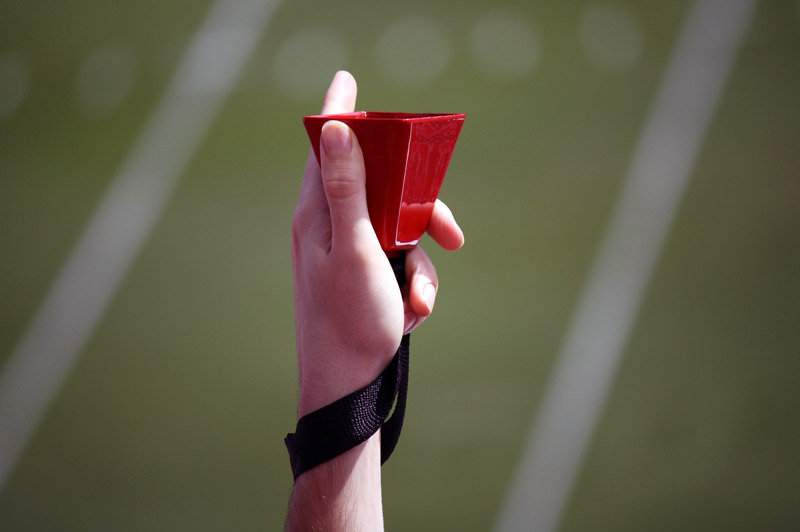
344,182
423,284
443,228
312,203
341,95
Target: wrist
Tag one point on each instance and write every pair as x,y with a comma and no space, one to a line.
331,376
338,493
323,434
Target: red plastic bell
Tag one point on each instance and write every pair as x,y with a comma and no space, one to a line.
406,157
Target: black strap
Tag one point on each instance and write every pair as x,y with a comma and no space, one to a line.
347,422
390,432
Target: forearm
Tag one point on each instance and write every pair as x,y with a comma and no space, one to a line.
343,494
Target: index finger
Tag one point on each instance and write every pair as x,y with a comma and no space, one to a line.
341,95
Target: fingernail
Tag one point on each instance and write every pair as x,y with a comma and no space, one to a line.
336,139
429,294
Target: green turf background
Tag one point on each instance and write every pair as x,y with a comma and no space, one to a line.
174,416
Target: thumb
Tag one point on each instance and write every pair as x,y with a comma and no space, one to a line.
344,181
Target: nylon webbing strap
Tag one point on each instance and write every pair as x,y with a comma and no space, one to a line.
347,422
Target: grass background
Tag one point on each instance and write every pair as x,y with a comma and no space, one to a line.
174,416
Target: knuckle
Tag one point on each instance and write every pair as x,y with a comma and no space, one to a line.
342,184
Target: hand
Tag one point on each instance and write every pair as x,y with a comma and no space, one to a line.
349,312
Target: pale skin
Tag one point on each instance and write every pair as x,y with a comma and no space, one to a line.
349,315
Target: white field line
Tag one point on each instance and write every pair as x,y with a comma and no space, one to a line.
607,309
77,300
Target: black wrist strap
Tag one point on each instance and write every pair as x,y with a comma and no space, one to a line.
390,431
347,422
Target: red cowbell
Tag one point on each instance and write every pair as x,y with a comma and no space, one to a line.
406,157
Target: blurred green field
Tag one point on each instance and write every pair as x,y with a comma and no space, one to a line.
174,416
